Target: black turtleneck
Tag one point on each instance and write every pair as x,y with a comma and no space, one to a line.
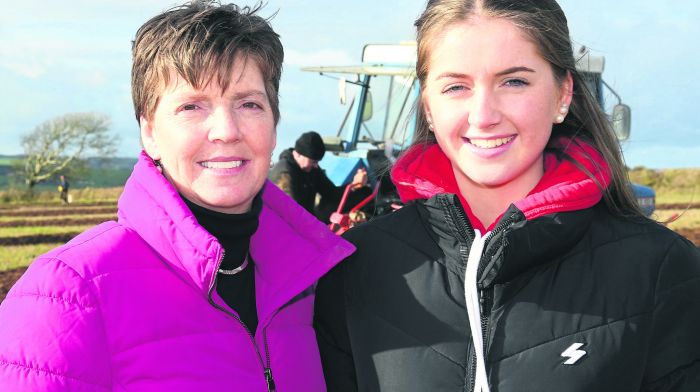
233,231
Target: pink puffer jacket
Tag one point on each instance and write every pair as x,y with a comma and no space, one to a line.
129,305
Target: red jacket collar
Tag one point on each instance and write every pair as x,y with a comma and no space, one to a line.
424,171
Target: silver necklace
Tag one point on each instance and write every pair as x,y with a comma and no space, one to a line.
235,270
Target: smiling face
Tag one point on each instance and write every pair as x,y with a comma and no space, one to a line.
492,100
215,146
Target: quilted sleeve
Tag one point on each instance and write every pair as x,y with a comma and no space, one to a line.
51,333
674,358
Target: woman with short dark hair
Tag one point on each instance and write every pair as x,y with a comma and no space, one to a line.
206,280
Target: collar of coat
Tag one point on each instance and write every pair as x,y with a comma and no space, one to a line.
291,248
425,171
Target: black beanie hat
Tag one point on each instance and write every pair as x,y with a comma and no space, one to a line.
310,144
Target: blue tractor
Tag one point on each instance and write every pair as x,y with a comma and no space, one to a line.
380,120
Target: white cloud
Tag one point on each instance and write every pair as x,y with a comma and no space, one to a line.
31,71
93,79
298,58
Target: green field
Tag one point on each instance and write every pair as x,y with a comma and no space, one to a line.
32,219
13,232
50,197
673,186
16,256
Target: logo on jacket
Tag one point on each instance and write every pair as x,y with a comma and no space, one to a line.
573,353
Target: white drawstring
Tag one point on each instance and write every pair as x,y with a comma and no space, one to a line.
471,297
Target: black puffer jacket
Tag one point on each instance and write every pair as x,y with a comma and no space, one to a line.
303,186
570,301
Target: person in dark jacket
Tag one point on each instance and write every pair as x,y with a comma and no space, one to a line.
521,261
63,186
298,174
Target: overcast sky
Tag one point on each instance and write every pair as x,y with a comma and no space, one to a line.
65,56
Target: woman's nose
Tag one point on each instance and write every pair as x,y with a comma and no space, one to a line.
223,126
483,111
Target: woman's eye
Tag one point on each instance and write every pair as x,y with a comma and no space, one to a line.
516,83
251,105
189,106
454,89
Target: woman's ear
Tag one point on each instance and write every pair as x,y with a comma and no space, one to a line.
565,96
148,138
567,90
428,116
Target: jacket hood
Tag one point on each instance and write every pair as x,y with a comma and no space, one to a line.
425,171
291,248
286,155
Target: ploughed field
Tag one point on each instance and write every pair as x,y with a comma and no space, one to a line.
27,231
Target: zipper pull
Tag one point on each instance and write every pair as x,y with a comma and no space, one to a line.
270,380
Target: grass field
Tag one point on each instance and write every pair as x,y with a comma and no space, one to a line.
44,214
16,256
683,219
11,232
49,197
31,219
675,187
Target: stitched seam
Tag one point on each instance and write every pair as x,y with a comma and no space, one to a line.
129,270
92,287
674,371
679,286
612,241
661,267
174,337
67,302
571,334
393,236
73,245
416,339
49,372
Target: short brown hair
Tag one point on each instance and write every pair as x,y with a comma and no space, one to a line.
200,41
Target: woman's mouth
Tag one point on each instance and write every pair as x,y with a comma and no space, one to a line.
221,164
490,143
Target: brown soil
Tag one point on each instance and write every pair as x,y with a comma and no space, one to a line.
7,279
677,206
37,239
55,222
34,205
692,234
59,211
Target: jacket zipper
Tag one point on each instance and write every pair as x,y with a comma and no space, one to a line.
484,296
484,299
267,371
466,234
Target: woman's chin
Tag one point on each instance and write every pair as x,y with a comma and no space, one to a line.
224,201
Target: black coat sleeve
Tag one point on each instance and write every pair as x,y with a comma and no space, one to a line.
325,187
674,355
332,332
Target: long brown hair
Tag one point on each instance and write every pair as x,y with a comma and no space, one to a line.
544,22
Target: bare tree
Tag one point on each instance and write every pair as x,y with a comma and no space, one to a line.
62,142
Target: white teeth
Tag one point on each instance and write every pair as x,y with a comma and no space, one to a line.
221,165
490,143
